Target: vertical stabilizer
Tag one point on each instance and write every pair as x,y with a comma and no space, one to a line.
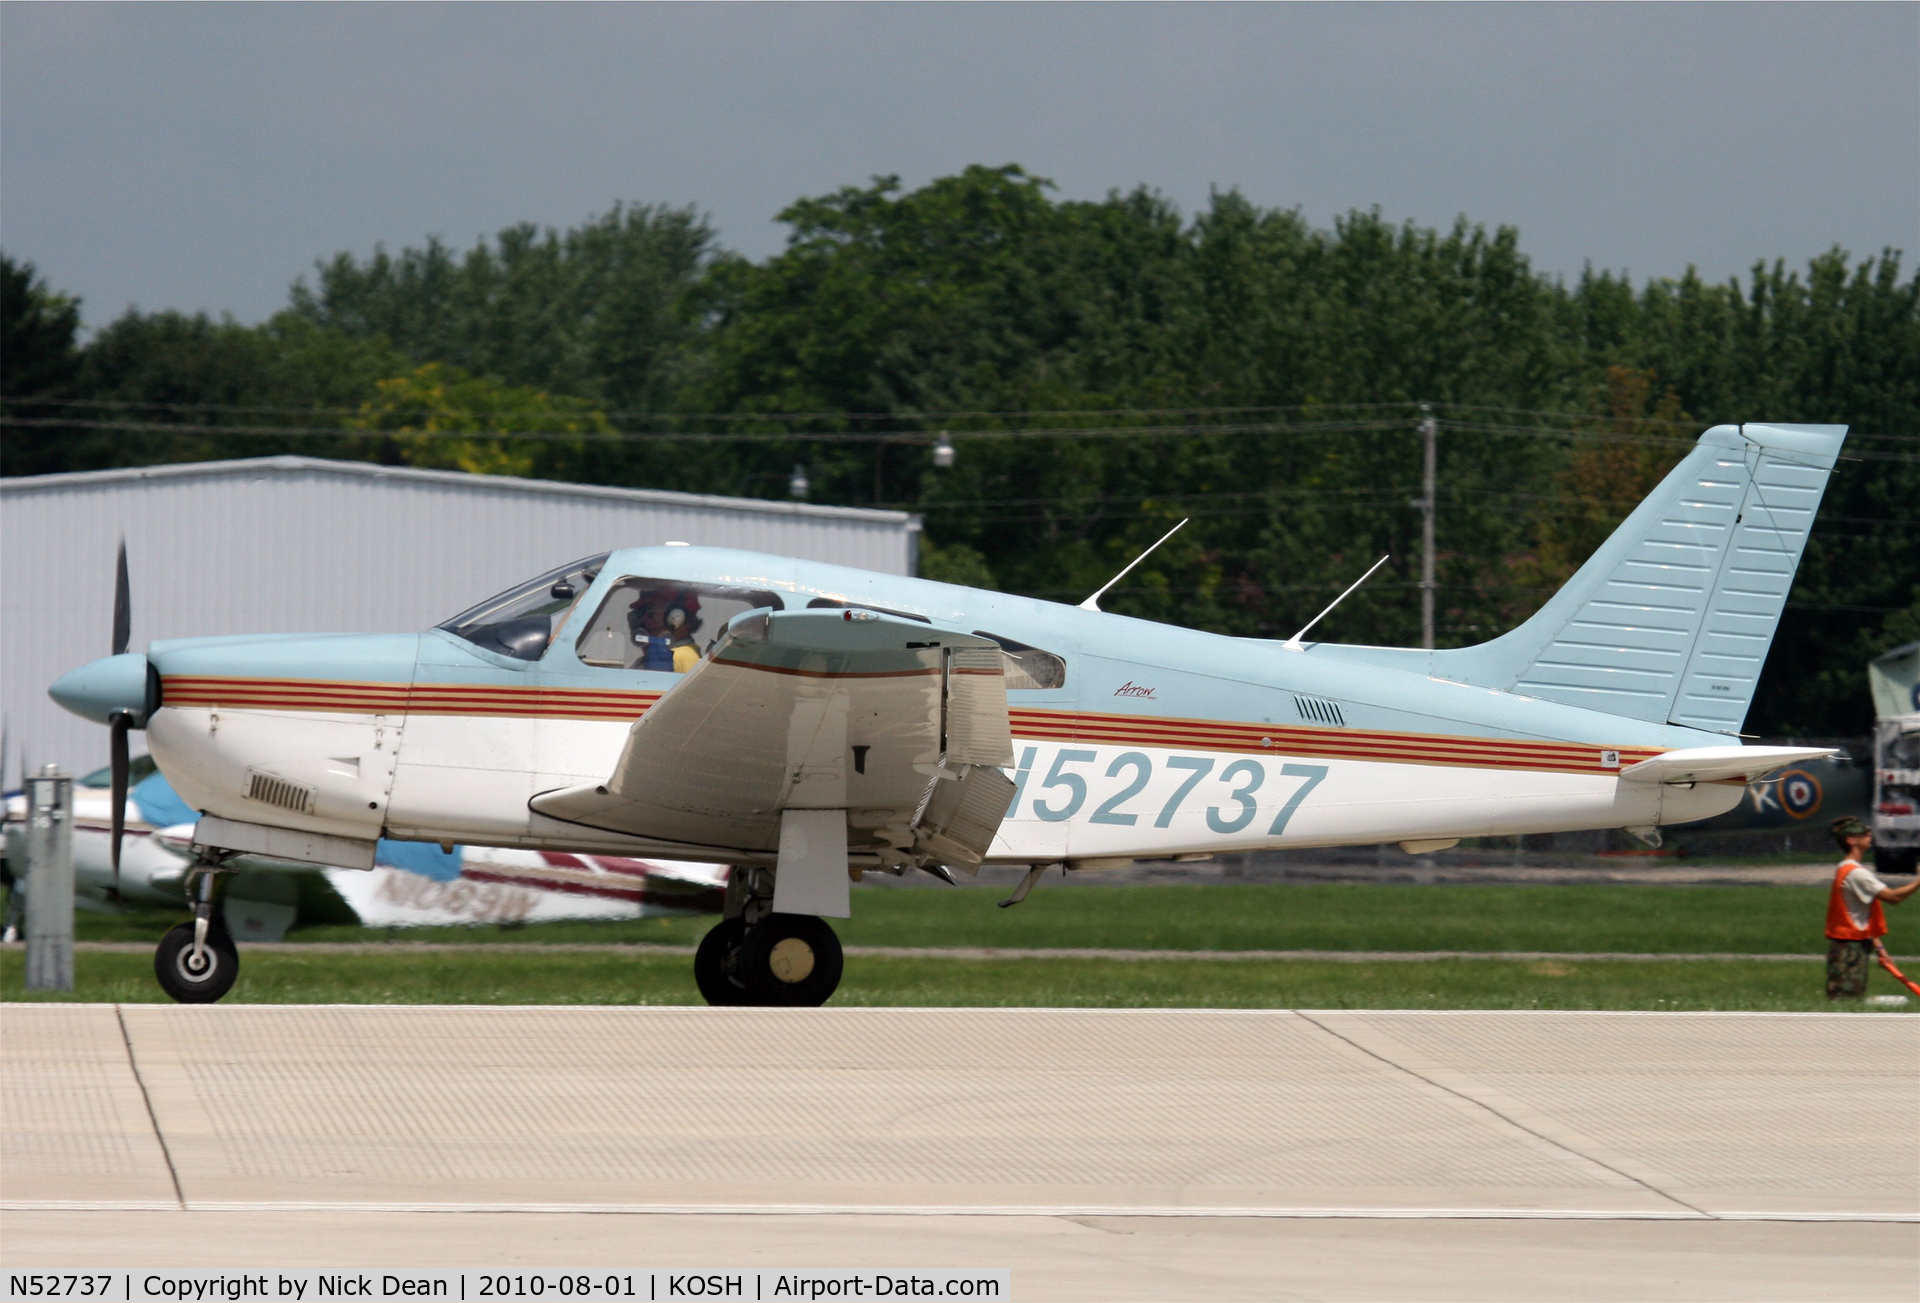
1670,620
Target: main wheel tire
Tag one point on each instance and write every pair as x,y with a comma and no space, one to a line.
715,964
791,959
173,964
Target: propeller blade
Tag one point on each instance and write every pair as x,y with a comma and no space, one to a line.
118,732
122,604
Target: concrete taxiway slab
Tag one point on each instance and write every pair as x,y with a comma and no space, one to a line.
1072,1258
1179,1132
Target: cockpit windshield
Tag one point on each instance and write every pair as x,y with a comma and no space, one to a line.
521,621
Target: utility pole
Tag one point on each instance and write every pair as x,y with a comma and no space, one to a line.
1429,487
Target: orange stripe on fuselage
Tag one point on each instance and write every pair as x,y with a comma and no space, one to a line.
1333,743
342,697
1029,724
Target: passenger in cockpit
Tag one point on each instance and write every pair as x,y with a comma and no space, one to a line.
686,653
663,623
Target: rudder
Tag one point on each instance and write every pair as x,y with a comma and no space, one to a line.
1670,620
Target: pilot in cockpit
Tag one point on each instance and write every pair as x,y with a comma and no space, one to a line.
663,623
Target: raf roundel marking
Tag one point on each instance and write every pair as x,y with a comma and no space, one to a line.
1799,793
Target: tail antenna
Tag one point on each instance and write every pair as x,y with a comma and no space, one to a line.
1093,603
1293,643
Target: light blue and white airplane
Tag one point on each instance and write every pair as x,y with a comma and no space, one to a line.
808,724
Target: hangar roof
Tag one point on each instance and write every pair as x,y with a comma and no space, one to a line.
464,480
302,544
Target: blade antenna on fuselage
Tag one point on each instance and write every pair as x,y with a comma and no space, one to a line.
1293,643
1093,603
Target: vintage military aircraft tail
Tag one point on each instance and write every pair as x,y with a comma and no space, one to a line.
1670,620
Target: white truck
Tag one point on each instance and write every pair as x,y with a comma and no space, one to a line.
1895,678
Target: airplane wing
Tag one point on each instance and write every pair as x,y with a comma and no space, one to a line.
796,717
1718,764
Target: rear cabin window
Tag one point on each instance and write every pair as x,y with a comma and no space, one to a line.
663,624
1028,667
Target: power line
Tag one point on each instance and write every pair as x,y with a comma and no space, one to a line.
853,436
1626,424
832,415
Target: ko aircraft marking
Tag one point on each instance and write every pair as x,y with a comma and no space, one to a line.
807,724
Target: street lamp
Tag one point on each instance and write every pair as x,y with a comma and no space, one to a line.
797,485
943,451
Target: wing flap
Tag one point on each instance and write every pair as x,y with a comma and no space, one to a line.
957,820
977,731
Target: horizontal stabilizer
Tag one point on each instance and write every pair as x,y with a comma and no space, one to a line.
1716,764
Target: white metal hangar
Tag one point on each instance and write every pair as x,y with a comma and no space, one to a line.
297,544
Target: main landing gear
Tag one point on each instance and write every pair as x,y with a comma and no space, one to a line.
197,962
754,956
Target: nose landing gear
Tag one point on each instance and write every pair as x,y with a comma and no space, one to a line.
197,962
757,957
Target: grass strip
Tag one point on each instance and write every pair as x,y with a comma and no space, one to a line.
572,977
1651,919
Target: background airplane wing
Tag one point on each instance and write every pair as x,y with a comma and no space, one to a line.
901,724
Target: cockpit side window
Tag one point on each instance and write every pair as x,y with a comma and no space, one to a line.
663,624
1028,667
521,621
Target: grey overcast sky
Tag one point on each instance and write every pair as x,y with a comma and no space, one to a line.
199,156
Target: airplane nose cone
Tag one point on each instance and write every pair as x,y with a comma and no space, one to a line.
114,685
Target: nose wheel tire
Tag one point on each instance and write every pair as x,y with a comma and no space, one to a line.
716,964
790,959
196,981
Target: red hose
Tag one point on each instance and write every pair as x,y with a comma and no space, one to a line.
1886,962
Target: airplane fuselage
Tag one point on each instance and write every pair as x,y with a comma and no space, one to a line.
1161,741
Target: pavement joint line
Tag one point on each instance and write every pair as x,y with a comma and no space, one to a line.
958,1210
650,950
173,1173
1561,1145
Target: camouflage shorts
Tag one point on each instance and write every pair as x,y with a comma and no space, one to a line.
1847,963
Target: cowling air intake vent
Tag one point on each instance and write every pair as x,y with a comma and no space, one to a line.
1319,710
278,791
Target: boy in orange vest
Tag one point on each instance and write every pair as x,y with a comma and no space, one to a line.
1855,921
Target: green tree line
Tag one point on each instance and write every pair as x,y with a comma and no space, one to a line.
1101,369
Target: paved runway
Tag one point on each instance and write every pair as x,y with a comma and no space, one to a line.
1098,1154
